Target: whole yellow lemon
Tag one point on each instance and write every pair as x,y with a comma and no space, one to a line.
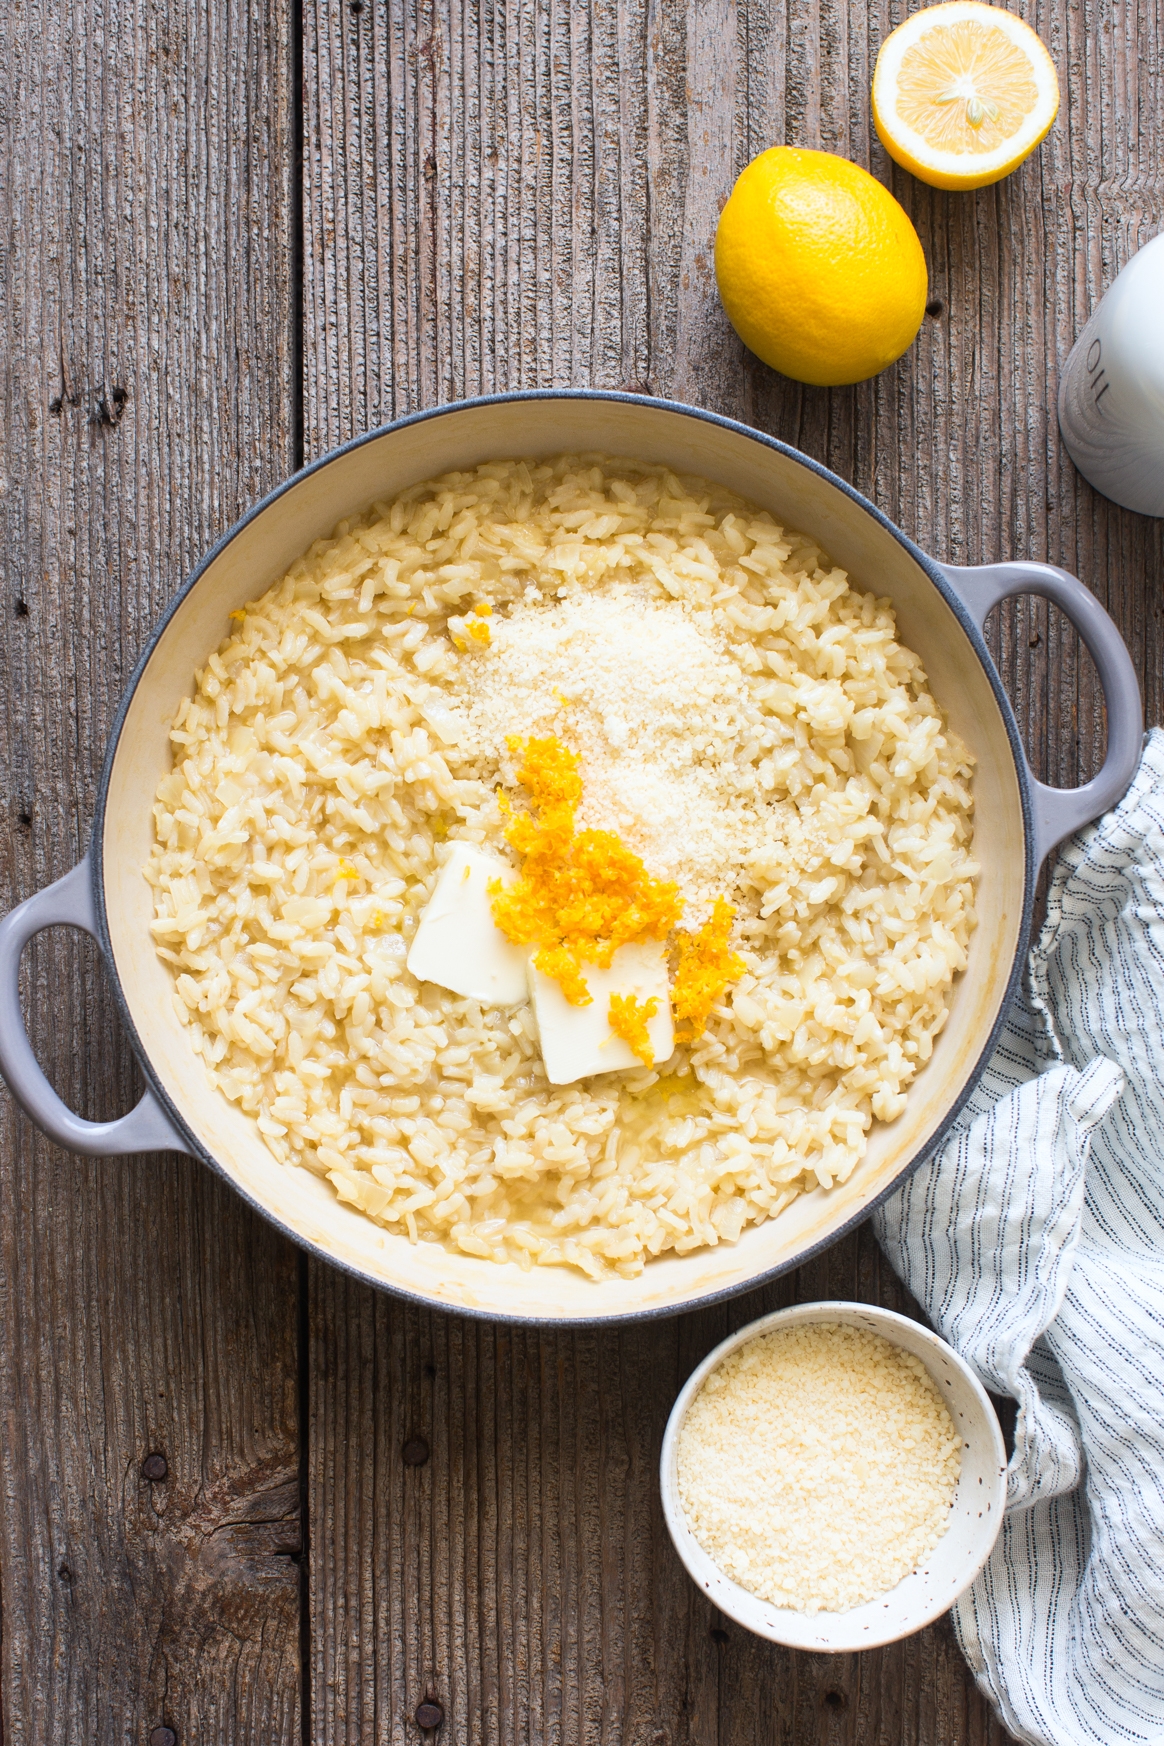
820,270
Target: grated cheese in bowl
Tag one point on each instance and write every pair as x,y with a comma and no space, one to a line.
817,1466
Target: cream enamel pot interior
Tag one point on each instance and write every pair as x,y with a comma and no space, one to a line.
940,612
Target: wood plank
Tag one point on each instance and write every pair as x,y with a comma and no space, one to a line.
148,397
505,193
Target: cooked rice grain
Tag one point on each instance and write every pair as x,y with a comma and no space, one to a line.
320,767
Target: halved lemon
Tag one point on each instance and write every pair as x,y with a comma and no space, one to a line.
962,93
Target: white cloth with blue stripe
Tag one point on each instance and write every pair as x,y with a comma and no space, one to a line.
1035,1242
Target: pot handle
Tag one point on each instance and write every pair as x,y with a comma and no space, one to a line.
1059,811
146,1128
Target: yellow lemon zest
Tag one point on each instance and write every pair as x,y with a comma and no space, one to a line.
706,966
345,870
480,632
483,608
238,615
580,894
376,919
628,1019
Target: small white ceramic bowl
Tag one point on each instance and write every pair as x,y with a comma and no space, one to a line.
955,1561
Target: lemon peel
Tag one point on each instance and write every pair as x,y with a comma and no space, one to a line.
580,894
628,1018
706,966
583,894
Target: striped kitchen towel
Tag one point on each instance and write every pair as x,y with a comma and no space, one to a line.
1035,1242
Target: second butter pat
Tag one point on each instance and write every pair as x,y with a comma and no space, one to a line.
577,1041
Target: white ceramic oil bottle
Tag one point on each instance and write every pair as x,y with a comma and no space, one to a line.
1111,396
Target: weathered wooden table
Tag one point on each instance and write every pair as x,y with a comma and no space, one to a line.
239,231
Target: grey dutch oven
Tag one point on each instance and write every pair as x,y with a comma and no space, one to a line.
940,612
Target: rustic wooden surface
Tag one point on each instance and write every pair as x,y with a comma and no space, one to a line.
236,234
148,291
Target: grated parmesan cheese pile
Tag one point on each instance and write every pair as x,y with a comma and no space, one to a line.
748,724
818,1465
661,714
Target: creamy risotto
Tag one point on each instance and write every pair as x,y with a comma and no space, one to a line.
746,731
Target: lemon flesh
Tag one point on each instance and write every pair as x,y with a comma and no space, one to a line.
819,269
962,93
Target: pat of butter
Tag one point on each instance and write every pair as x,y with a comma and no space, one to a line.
458,945
577,1040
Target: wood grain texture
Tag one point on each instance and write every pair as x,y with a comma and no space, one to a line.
495,194
520,193
523,1576
146,281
